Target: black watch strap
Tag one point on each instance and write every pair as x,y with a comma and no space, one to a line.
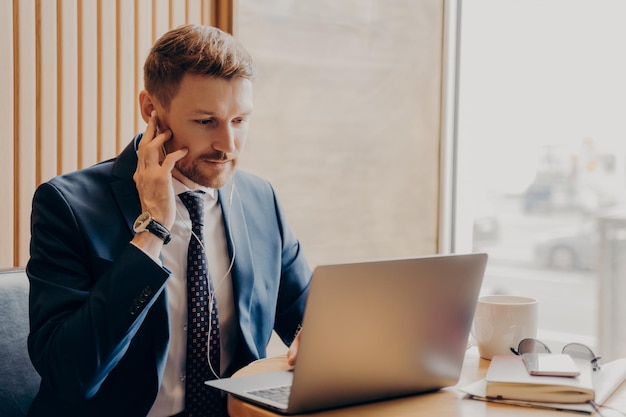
145,223
160,231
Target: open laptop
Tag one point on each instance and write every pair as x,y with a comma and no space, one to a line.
372,331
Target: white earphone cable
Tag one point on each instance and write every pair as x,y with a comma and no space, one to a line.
230,266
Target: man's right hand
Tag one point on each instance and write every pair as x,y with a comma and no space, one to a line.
153,179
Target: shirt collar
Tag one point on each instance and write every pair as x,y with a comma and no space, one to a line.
180,188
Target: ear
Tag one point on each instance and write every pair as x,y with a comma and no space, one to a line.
147,103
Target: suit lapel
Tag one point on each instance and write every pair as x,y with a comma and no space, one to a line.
243,268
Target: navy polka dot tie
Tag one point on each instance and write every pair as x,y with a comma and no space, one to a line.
200,399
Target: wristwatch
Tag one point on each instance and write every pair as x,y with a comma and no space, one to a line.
145,223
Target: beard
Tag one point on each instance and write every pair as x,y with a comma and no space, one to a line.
199,170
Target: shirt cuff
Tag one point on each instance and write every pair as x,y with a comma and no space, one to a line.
157,261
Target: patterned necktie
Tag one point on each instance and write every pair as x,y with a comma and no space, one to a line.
200,399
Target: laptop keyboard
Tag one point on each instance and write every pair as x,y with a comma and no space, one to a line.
277,394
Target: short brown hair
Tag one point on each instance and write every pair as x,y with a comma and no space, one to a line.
195,49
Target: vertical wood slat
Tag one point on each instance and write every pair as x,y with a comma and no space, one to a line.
161,18
126,101
177,14
75,68
68,86
7,146
222,15
107,79
194,11
25,129
88,86
38,86
47,79
144,35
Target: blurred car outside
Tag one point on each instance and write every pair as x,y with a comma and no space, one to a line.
549,195
575,250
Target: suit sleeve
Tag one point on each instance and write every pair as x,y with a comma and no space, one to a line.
294,282
84,311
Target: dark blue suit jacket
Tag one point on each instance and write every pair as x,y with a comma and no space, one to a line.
98,305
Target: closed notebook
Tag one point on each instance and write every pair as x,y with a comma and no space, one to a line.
507,378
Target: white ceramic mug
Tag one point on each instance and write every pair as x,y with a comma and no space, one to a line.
501,321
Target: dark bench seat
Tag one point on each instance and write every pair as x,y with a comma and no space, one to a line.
19,381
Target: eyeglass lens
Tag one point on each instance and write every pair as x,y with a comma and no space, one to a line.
576,350
532,346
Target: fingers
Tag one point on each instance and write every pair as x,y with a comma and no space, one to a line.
292,353
291,356
153,176
151,130
170,160
153,136
152,141
151,148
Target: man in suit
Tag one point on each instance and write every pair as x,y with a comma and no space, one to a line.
108,267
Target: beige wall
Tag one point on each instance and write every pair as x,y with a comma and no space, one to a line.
69,76
347,121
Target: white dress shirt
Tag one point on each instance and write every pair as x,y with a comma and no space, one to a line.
171,396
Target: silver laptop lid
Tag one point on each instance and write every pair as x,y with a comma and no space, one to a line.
382,329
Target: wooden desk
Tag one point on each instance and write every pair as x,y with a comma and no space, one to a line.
448,402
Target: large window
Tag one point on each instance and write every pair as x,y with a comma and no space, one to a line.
542,161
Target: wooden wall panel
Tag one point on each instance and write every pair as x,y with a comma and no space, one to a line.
126,89
161,17
70,74
7,87
26,119
107,78
143,40
194,11
67,87
88,82
47,86
177,15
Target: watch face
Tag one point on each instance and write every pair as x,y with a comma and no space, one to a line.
142,222
145,223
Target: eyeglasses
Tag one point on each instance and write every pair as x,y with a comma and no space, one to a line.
575,350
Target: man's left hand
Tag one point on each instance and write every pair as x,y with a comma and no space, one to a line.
292,353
